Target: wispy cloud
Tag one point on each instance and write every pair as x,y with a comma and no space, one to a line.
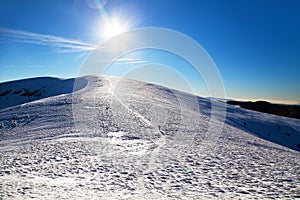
124,61
62,45
131,60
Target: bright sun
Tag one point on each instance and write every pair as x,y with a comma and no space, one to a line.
112,27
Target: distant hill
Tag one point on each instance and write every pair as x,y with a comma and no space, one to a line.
292,111
23,91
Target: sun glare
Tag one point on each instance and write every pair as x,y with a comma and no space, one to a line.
112,27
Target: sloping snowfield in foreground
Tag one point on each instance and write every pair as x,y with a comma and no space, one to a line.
122,139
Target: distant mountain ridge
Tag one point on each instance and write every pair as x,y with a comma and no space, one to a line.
291,111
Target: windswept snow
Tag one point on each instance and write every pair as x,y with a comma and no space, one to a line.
124,139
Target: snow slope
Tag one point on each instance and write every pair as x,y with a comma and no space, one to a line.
27,90
124,139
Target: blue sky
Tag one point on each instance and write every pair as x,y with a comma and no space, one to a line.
255,44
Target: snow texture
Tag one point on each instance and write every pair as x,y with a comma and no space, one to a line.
117,138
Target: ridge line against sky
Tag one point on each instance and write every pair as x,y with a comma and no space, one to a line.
67,45
255,44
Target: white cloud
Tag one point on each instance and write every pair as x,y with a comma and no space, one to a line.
124,61
131,60
62,45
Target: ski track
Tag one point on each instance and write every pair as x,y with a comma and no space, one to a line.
112,148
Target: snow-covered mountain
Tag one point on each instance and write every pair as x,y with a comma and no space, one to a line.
27,90
112,138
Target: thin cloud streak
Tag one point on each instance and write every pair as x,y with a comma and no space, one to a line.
62,45
131,60
124,61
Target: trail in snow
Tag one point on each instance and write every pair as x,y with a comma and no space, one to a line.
159,142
